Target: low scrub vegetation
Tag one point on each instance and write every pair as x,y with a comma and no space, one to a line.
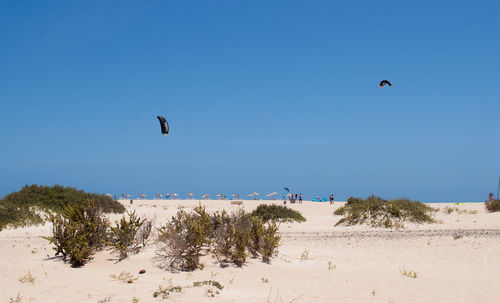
230,238
213,288
449,210
277,213
28,278
29,205
125,277
78,232
128,235
82,229
408,273
378,212
492,206
182,239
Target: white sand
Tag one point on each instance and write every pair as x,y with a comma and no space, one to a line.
367,263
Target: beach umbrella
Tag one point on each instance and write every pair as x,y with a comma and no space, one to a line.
174,195
109,195
205,196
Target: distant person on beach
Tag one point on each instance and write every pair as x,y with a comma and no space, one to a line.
331,199
300,198
491,196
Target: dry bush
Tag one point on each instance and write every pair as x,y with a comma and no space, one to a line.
492,206
145,232
187,236
182,239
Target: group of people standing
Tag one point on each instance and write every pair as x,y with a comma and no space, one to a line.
295,198
298,198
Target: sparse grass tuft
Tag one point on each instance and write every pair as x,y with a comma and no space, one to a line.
17,299
125,277
457,236
448,210
165,292
410,273
331,265
378,212
213,289
135,300
28,278
208,282
265,280
104,300
305,255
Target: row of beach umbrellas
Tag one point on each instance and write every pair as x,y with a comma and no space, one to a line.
191,195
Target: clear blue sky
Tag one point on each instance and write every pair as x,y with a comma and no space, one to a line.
259,95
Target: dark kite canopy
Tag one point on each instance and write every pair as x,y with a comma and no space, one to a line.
163,124
384,82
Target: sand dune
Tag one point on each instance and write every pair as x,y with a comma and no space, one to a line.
457,260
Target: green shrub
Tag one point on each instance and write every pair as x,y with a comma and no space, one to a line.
78,232
378,212
231,239
182,239
264,239
492,206
11,215
277,212
26,207
123,234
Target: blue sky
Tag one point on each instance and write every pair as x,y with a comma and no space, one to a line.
259,95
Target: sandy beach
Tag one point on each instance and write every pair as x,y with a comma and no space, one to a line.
454,260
